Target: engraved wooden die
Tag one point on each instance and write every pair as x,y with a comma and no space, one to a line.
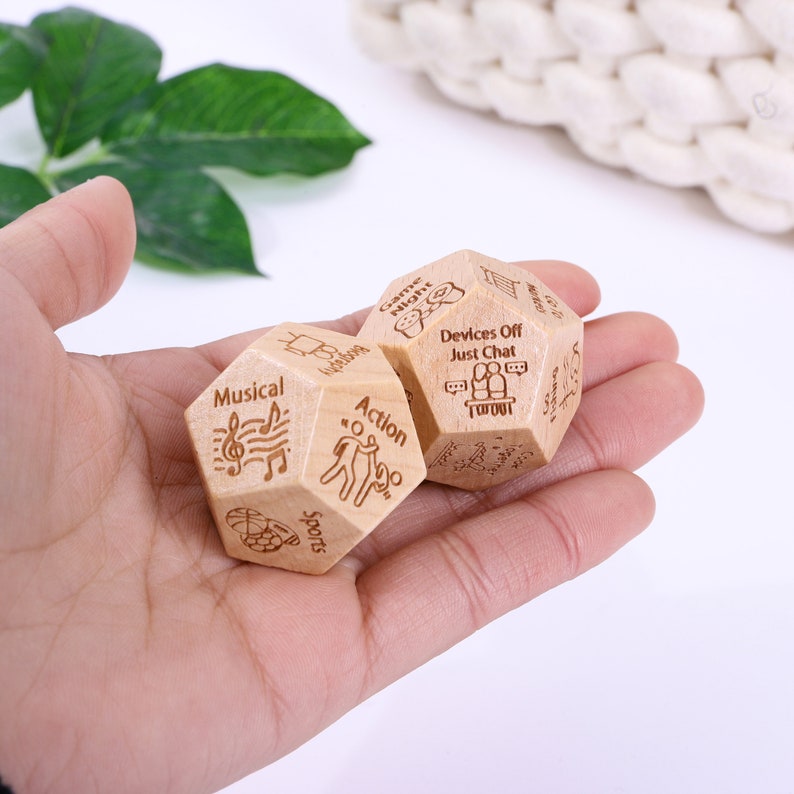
491,361
305,442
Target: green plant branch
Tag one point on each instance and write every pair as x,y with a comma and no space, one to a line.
50,169
101,108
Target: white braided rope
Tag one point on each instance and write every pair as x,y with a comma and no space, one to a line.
684,92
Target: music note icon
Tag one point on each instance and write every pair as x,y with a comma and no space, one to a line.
259,440
280,455
232,449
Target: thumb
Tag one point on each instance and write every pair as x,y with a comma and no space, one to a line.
72,253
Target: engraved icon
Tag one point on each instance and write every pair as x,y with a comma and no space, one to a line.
412,322
489,391
483,459
501,282
565,384
304,345
261,440
259,533
358,468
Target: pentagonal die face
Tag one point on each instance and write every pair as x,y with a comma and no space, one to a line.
491,361
304,444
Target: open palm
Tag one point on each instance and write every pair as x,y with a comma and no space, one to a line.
134,654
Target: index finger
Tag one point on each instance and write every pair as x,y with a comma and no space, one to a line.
71,253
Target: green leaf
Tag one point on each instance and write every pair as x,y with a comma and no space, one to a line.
260,122
20,191
92,67
21,51
185,219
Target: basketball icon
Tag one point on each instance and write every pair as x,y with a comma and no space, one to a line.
258,532
245,519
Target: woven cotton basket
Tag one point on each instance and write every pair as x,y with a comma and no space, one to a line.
683,92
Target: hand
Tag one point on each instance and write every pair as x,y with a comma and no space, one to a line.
134,654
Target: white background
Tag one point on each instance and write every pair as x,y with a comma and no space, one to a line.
670,668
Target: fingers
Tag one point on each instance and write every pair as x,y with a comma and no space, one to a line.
621,342
621,424
624,423
424,598
636,402
72,253
571,283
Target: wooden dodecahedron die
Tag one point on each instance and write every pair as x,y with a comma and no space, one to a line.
304,444
491,362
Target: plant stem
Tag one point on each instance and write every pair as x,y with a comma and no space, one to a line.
43,173
51,167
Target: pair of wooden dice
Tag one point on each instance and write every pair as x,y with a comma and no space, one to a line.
467,373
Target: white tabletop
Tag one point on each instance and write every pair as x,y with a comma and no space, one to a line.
669,667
